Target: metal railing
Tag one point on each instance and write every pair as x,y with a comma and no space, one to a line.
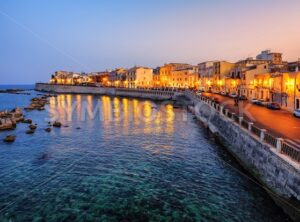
245,124
255,130
290,151
270,139
286,149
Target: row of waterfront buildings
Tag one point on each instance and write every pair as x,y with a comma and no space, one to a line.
265,77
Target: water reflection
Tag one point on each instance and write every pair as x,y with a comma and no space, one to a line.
112,111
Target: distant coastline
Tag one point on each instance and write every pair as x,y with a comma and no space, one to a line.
17,86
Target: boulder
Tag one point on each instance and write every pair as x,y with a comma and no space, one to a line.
57,124
9,138
32,127
48,129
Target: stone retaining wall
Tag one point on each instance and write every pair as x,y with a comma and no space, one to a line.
279,174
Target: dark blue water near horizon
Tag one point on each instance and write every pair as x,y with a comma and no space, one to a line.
122,159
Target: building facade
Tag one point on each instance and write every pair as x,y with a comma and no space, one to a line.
139,77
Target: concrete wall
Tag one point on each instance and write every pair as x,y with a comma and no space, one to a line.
279,174
139,93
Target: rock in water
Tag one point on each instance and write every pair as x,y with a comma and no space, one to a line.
57,124
9,138
32,127
48,129
31,131
29,121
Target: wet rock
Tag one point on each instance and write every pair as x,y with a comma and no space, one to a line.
32,127
29,108
7,124
28,121
57,124
31,131
9,138
48,129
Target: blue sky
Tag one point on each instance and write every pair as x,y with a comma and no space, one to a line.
39,37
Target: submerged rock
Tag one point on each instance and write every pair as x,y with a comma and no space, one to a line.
9,138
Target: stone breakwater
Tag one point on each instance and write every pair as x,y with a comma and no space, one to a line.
279,174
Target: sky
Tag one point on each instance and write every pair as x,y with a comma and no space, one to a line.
38,38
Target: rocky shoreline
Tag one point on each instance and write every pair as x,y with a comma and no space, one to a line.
10,119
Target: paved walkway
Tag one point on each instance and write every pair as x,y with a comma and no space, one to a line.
279,123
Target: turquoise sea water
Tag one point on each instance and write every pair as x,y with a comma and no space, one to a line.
131,160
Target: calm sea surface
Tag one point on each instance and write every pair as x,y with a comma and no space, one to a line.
122,159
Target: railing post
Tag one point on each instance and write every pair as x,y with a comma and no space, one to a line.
240,120
221,110
250,124
232,116
279,142
226,112
262,134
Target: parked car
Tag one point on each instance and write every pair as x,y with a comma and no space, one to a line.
242,97
254,100
223,93
233,95
297,113
261,102
274,106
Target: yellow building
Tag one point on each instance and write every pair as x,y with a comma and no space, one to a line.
220,71
281,87
184,78
117,77
139,77
165,73
214,74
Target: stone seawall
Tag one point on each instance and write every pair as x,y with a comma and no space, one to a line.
279,175
138,93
